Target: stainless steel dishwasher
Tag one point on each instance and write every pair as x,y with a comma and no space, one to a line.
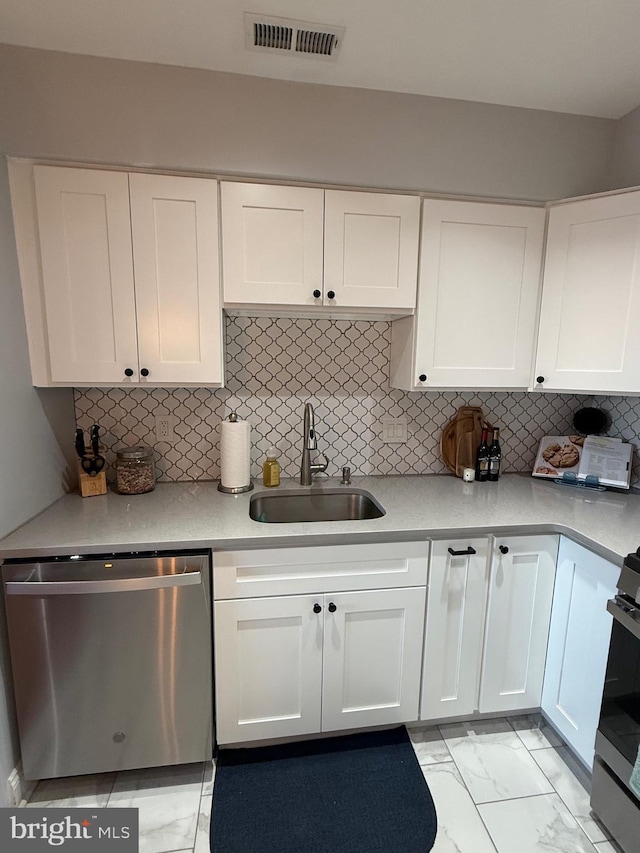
111,661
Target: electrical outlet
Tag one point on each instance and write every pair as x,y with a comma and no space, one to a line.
394,430
165,425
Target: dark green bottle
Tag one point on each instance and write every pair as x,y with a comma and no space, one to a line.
482,457
495,456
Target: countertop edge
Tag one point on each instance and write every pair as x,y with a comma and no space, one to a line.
182,516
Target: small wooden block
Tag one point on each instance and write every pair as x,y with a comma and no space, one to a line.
90,486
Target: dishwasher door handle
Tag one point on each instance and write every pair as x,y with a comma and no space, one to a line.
93,587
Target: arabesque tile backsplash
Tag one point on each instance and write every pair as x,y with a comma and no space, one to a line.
274,366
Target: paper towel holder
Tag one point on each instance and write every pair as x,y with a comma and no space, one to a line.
233,490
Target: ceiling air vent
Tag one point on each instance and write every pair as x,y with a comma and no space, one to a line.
284,35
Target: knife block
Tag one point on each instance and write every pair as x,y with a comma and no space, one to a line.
90,486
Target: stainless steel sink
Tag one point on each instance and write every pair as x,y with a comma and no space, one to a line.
312,505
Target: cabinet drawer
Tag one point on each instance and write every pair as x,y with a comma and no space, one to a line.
325,568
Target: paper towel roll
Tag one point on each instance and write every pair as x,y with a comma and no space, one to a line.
235,454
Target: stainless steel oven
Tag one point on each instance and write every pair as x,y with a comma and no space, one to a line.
618,736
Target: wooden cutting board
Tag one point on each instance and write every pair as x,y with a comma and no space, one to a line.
460,438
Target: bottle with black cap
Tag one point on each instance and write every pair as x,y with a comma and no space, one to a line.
495,456
482,457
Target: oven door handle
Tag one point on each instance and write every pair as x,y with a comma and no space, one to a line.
622,614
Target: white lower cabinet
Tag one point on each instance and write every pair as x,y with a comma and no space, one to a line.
578,645
456,602
521,583
317,662
268,667
488,611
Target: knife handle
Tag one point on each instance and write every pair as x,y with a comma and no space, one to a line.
79,442
95,440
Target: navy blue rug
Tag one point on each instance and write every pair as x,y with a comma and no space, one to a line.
362,793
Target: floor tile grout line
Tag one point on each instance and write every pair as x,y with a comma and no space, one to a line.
464,785
455,763
575,817
535,796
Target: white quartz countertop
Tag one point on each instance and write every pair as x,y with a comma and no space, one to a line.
195,515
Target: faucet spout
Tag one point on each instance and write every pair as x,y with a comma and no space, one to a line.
309,443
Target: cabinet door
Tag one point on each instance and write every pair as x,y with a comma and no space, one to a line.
456,598
578,645
372,650
371,249
174,223
272,244
268,654
590,313
478,297
87,269
517,627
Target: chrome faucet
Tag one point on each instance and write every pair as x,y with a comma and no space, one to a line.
307,467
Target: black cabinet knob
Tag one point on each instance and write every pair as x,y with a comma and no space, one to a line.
317,294
144,372
317,608
331,294
332,607
464,553
422,377
539,379
503,549
128,372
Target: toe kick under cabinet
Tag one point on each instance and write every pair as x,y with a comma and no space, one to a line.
317,639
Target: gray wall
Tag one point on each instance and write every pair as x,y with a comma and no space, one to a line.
626,167
32,466
66,106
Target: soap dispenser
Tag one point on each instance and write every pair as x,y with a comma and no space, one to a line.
271,469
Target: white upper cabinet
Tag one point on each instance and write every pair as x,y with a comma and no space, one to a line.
272,244
174,222
129,285
590,314
477,300
85,245
302,246
371,250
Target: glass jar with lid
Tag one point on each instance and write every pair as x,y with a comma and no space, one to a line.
135,472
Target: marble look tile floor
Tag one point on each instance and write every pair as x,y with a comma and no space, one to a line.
500,786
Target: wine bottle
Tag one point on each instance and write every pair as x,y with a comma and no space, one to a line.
495,456
482,457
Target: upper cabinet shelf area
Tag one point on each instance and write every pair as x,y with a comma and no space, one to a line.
308,247
127,290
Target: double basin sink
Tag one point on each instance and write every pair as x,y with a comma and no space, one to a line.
310,505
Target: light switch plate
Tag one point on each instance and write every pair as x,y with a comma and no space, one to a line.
394,430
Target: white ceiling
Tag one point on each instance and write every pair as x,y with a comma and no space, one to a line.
575,56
